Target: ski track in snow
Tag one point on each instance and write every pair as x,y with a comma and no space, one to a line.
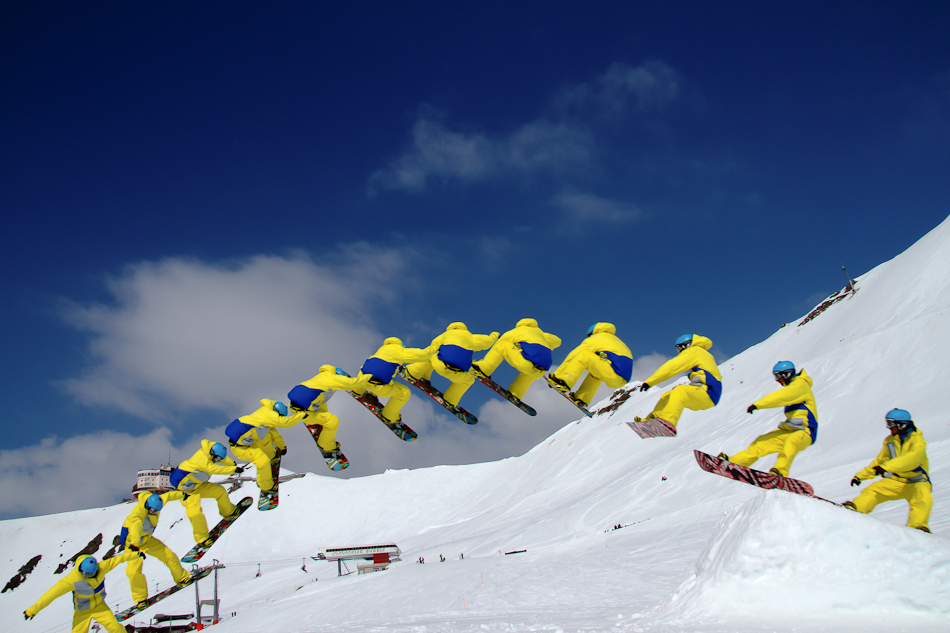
698,553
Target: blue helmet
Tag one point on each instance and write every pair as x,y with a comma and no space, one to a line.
218,451
341,372
154,504
784,371
899,421
280,408
88,567
590,330
898,415
683,342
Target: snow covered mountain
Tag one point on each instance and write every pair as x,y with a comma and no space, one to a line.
697,552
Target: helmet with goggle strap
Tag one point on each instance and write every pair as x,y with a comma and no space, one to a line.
218,452
784,371
154,504
683,342
899,419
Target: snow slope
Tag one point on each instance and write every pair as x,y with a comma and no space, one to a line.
697,553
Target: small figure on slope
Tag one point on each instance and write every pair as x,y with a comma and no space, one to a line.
254,438
526,348
603,355
380,369
704,388
87,581
904,467
312,396
796,433
136,535
456,347
191,478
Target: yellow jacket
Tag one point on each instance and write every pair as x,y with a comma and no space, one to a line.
527,331
603,342
381,366
139,525
87,592
801,412
700,364
199,467
903,459
253,430
456,344
313,394
201,462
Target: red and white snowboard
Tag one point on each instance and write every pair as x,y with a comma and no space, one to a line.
768,481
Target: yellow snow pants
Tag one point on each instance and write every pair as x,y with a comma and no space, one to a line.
206,490
600,370
262,457
671,404
917,495
461,380
509,351
133,569
398,395
102,614
786,443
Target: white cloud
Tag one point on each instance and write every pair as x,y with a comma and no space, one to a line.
182,334
438,153
650,86
560,139
580,208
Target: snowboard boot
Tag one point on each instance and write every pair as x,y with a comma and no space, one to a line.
208,542
723,457
849,505
776,472
557,383
478,371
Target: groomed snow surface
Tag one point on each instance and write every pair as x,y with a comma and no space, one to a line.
697,552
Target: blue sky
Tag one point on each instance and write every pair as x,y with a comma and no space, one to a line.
203,204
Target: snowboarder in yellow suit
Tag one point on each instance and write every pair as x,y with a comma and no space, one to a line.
796,433
453,360
905,470
191,477
380,369
136,535
87,581
254,438
526,348
312,396
603,355
705,381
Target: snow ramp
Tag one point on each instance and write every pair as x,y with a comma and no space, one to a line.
796,558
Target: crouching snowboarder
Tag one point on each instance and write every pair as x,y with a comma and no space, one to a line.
904,467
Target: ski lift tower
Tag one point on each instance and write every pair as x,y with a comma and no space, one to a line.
213,603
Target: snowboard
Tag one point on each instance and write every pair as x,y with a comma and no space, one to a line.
195,576
372,403
426,387
652,427
196,552
334,459
769,481
569,395
501,391
269,500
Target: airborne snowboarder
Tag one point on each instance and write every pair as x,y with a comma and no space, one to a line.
703,390
527,348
